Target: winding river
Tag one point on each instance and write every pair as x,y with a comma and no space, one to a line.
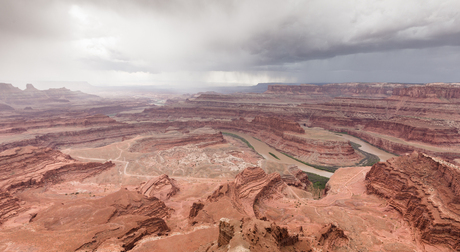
265,150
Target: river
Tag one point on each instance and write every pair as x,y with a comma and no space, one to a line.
265,150
383,155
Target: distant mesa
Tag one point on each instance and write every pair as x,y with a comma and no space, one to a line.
31,88
31,96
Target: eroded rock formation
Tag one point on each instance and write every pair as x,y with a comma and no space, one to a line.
9,206
61,121
432,90
277,124
297,178
201,137
337,89
161,187
251,187
425,190
32,167
15,96
119,219
332,237
250,234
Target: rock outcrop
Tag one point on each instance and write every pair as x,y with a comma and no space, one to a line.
9,206
254,235
161,187
201,137
432,90
332,237
196,207
277,124
117,220
425,190
250,189
32,167
61,121
296,178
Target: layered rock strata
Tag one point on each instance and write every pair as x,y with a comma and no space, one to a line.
337,89
117,221
253,235
250,188
161,187
9,206
432,90
61,121
425,190
296,178
201,138
32,167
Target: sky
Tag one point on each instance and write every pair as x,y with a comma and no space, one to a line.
210,42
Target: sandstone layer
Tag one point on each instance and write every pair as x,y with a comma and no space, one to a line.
337,89
201,137
33,167
254,235
115,223
425,190
249,190
161,187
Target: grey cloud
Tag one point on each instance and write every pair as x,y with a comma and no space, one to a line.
41,18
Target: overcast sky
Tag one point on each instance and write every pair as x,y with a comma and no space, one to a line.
212,42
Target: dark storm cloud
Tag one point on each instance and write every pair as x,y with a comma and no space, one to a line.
208,41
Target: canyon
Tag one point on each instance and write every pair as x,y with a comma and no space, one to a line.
333,167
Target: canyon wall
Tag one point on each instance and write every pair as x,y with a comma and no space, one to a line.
61,121
32,166
201,137
277,132
338,89
434,90
425,190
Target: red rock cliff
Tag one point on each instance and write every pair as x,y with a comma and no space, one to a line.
426,191
336,89
429,91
